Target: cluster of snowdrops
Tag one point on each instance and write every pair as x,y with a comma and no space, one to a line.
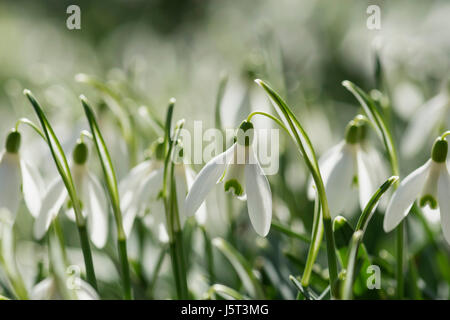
171,191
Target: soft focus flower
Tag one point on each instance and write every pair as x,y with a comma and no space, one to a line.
16,174
429,117
91,194
240,171
140,192
47,289
430,184
348,165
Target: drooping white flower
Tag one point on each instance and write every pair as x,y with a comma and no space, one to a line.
140,192
348,165
242,174
47,289
16,178
420,130
429,184
91,195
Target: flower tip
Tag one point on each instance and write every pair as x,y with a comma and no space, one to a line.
27,92
259,82
393,179
172,100
346,83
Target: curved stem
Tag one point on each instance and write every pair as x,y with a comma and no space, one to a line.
268,115
31,124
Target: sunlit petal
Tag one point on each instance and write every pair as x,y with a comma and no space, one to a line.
338,186
33,188
206,180
444,203
96,208
10,182
51,204
259,197
403,198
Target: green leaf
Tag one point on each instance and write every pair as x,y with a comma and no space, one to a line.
377,121
106,163
242,268
58,155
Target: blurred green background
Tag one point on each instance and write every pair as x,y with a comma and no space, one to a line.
150,51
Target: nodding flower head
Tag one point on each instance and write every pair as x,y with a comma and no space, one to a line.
351,164
17,177
429,184
140,190
242,174
94,206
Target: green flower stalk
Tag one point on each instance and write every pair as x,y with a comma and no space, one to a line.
111,183
64,170
292,126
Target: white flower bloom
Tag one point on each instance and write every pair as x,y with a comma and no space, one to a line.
17,177
430,184
429,116
240,170
140,193
47,289
348,165
91,194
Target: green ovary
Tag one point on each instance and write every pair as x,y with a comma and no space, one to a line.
428,199
236,186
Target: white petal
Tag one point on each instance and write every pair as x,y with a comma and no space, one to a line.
129,185
33,188
44,290
10,183
339,183
422,124
444,203
86,292
181,190
147,192
207,179
326,164
96,208
51,204
201,214
259,197
366,183
403,198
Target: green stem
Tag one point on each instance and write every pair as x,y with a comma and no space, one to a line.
123,256
311,162
209,255
85,247
317,235
400,259
158,266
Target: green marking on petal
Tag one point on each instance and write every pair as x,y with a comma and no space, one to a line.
237,188
428,199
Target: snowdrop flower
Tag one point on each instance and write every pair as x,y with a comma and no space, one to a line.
91,195
47,289
419,131
430,184
242,174
140,192
16,176
348,165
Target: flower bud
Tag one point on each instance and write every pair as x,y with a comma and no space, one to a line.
439,151
80,153
245,133
13,141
